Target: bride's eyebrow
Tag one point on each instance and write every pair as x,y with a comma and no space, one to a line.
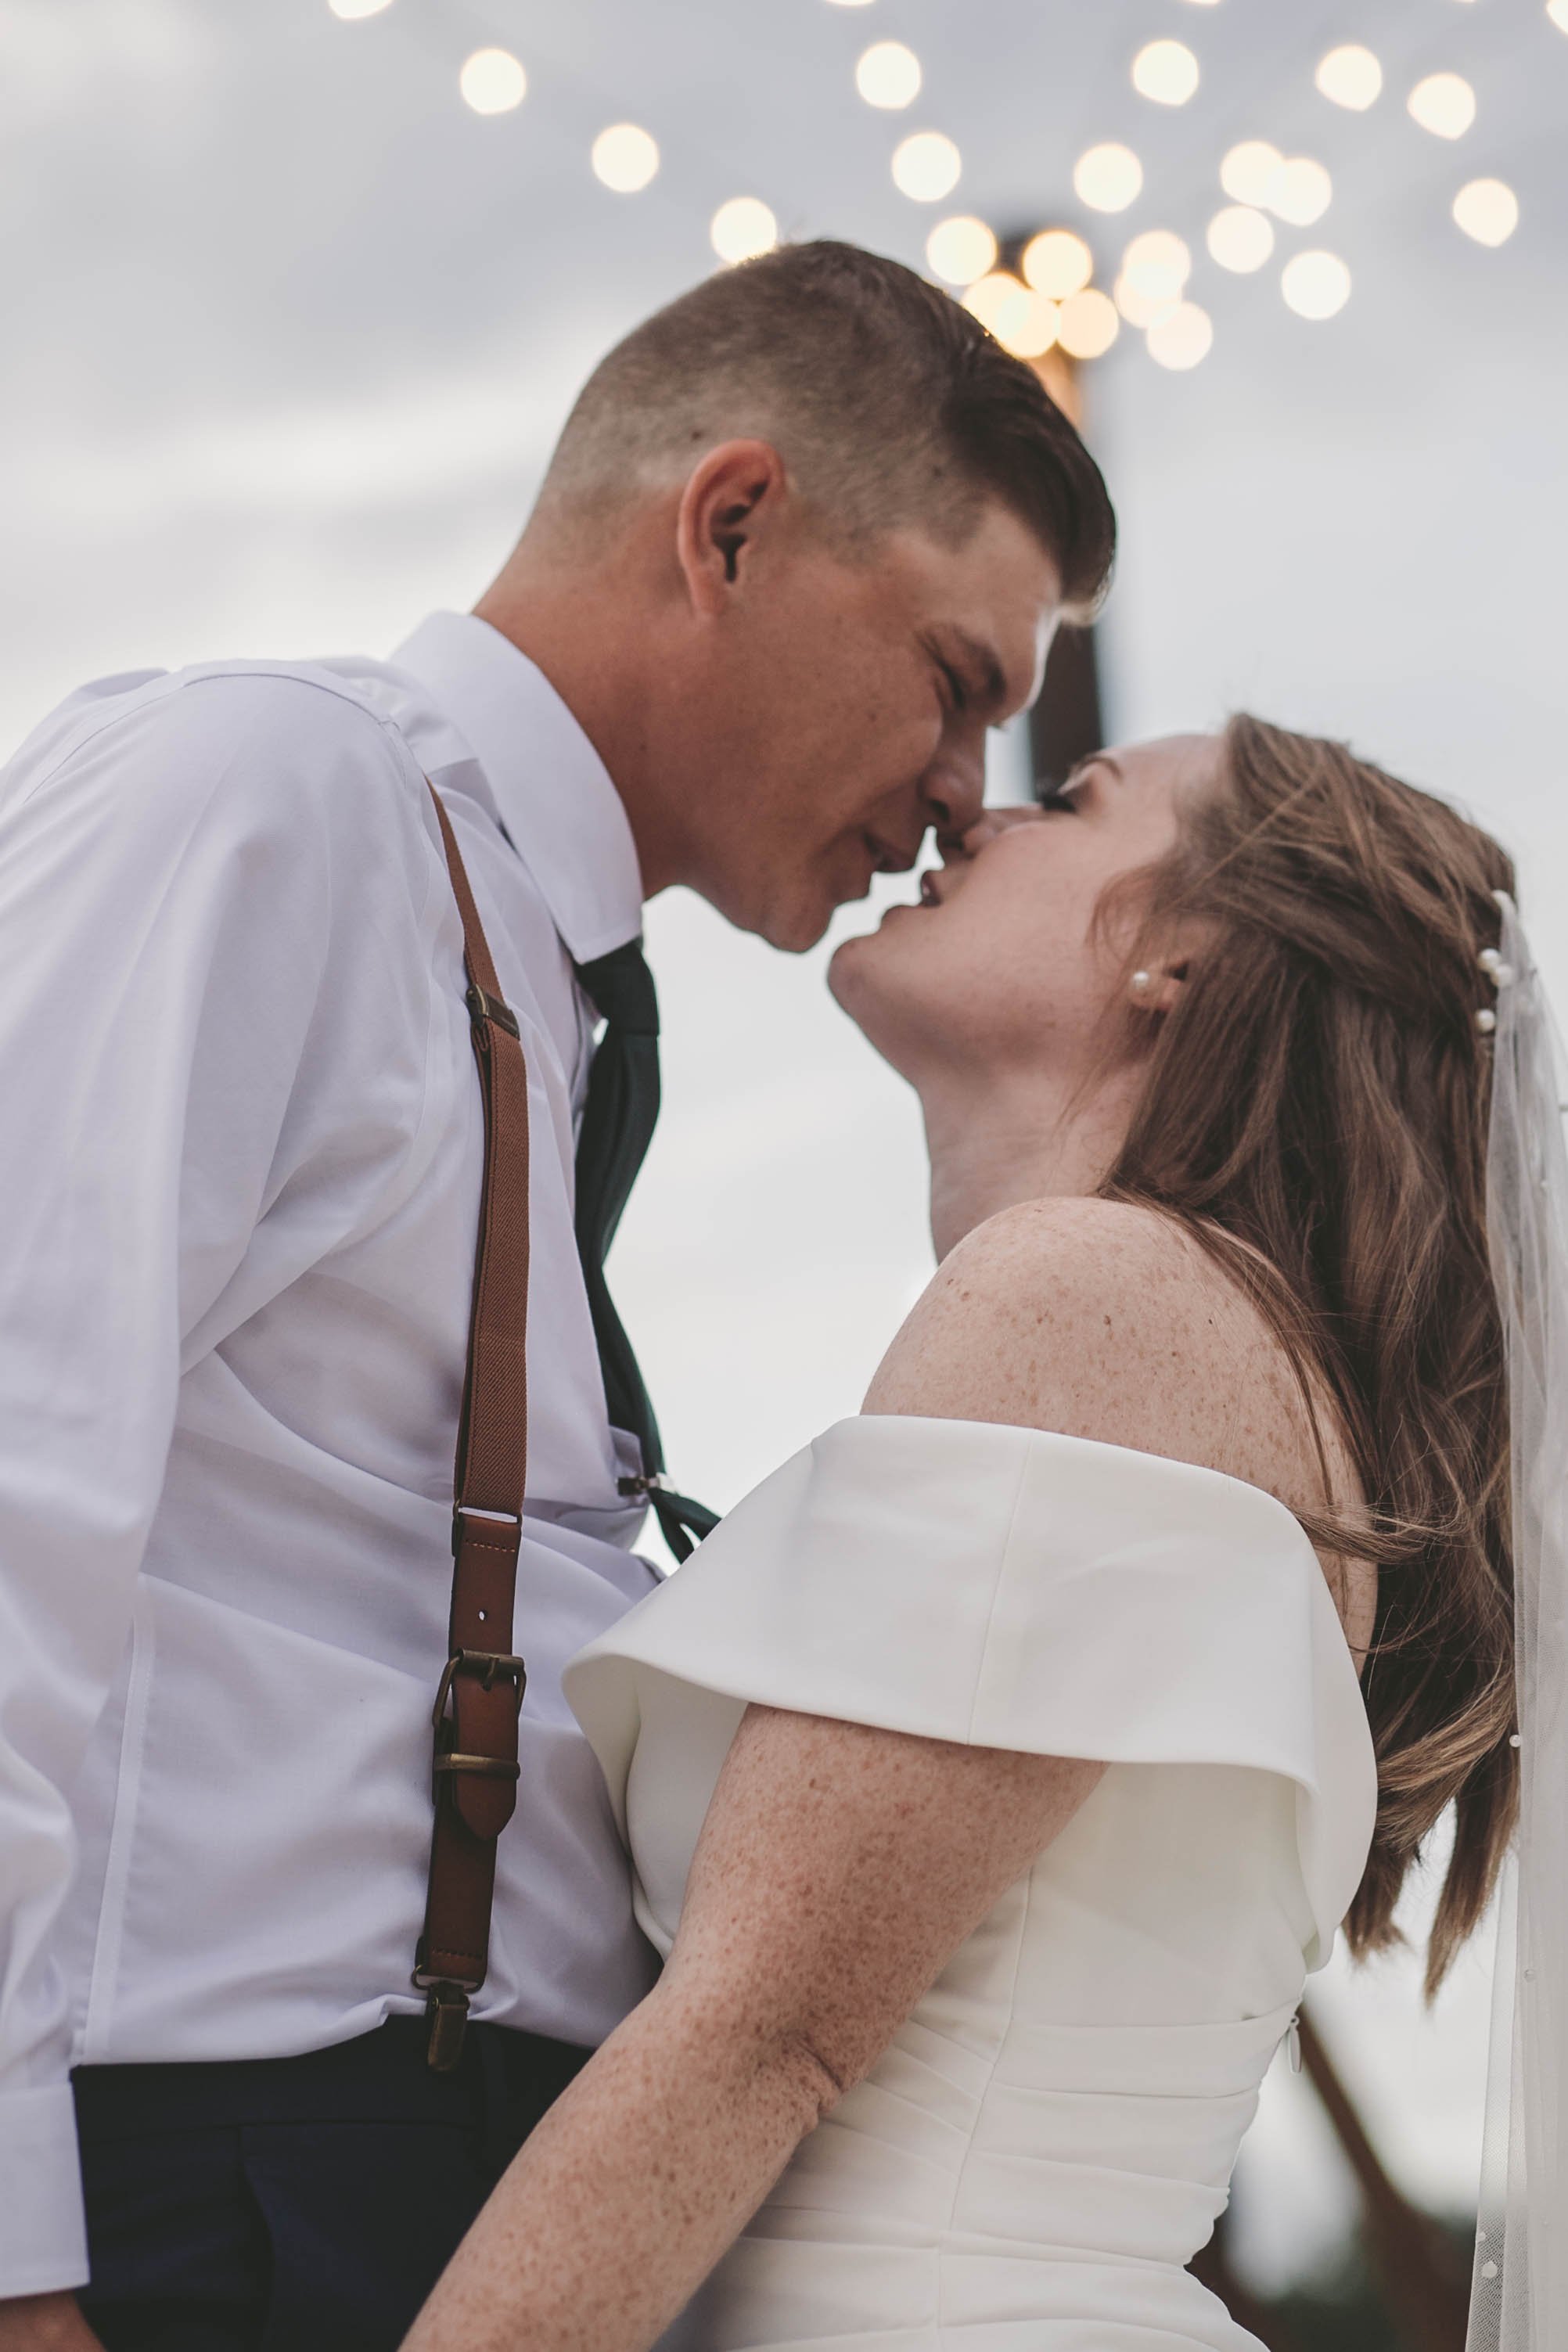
1092,760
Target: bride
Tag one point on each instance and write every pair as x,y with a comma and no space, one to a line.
996,1773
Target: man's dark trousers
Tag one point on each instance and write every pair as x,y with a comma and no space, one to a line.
296,2204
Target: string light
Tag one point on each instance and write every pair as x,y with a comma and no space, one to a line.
1182,337
888,75
1057,263
960,250
1444,104
1488,210
1106,179
927,166
1299,191
1023,322
1316,285
492,82
626,158
742,229
1240,238
350,11
1351,77
1157,266
1247,170
1089,323
1165,71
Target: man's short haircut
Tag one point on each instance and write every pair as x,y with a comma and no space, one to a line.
889,402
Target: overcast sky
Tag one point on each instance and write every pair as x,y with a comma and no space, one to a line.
289,332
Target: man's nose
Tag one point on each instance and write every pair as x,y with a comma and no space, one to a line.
956,798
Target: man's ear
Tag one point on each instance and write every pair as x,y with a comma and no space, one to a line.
732,497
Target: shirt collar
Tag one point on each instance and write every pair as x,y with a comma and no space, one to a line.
553,794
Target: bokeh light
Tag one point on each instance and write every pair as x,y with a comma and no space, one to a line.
1300,191
888,75
1351,75
1247,169
626,158
1023,322
1057,263
1165,71
350,11
1488,210
960,250
1157,265
1240,238
1558,12
927,166
1444,104
1140,310
1182,337
1088,324
492,82
1108,178
742,229
1316,285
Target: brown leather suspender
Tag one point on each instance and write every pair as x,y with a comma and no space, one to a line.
481,1694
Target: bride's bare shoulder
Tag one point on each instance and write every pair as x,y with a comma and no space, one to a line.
1099,1319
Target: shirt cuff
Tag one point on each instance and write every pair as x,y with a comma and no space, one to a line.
43,2223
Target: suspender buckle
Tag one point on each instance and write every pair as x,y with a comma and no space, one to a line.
483,1007
461,1511
646,1482
486,1665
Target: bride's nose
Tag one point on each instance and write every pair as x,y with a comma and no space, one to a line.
989,824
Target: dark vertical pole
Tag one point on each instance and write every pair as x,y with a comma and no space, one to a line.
1066,723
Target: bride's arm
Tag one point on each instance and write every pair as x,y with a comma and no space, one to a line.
838,1869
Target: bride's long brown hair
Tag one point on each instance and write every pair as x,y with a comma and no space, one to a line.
1320,1098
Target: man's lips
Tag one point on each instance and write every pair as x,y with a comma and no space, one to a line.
889,857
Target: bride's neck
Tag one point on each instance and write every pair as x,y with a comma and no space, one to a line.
996,1141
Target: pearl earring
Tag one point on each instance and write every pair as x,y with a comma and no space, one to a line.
1141,983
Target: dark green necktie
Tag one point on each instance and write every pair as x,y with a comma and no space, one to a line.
618,1120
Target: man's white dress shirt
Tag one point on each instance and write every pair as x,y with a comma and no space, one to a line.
240,1143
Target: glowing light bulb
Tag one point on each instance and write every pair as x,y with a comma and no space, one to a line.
1088,324
1108,178
1444,104
626,158
1240,238
851,3
1023,322
1165,71
492,82
927,166
742,229
1182,337
1058,263
1157,265
1351,77
350,11
1558,12
888,75
1298,191
1488,210
1246,170
960,250
1316,285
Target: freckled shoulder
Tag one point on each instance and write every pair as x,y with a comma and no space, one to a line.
1099,1319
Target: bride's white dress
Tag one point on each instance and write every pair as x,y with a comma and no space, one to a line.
1048,2140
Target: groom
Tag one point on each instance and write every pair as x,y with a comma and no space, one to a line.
801,542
